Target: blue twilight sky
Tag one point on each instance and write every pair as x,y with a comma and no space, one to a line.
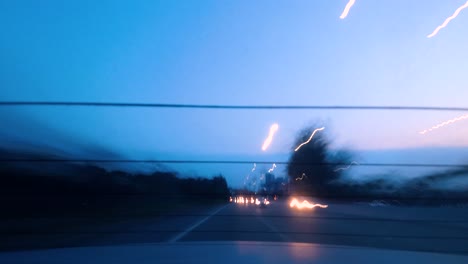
241,52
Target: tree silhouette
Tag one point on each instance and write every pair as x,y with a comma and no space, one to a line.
312,167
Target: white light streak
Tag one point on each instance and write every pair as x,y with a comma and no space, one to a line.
349,166
302,177
347,8
448,122
272,168
448,20
254,167
262,177
268,140
311,136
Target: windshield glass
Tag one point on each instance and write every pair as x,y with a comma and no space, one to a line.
327,122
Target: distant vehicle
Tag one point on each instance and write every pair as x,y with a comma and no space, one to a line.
263,202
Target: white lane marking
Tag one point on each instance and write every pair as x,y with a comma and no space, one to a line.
188,230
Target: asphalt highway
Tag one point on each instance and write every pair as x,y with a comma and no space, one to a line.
429,229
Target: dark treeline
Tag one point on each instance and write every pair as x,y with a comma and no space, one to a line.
311,172
42,186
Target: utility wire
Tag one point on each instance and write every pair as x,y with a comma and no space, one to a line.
210,106
335,218
47,160
383,236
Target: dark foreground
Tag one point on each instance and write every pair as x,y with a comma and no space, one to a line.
429,229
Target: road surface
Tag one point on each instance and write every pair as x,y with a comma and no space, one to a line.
405,228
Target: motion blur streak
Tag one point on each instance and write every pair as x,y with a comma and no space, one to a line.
302,177
347,8
349,166
272,168
448,122
255,166
311,136
448,20
305,204
268,140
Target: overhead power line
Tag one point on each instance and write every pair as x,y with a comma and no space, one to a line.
333,234
233,107
229,162
277,216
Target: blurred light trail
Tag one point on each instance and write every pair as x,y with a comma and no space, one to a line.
349,166
268,140
448,122
272,168
448,20
302,177
347,8
262,177
254,167
305,204
311,136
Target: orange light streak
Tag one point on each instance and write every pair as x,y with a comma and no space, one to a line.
305,204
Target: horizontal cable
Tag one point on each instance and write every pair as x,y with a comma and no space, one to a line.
231,162
393,200
385,236
333,218
209,106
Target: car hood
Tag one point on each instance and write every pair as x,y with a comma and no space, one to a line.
226,252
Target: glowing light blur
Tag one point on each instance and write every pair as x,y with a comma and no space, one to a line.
268,140
250,200
305,204
349,166
448,20
272,168
347,8
302,177
448,122
310,138
262,177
